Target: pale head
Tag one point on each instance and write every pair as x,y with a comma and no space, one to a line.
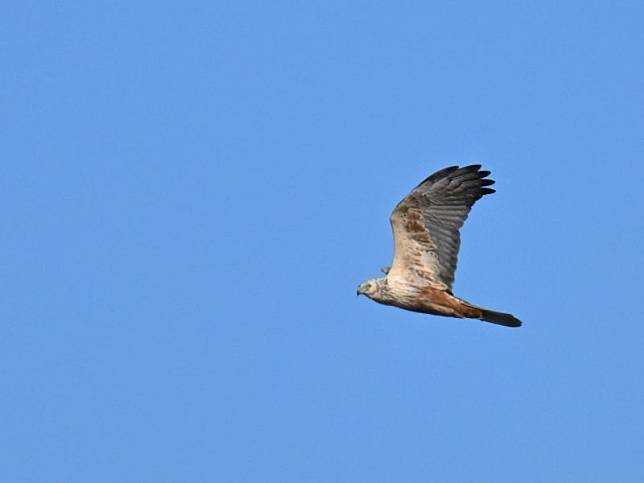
372,288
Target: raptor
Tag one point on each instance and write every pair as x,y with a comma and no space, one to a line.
427,239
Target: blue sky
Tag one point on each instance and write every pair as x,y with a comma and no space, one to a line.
191,192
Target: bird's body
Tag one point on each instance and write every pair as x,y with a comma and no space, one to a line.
426,226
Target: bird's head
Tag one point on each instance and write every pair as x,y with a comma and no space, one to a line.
371,288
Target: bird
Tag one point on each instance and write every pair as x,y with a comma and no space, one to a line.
426,228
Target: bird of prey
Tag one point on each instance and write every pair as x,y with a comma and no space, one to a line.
426,226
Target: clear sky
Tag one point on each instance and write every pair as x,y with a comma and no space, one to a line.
192,191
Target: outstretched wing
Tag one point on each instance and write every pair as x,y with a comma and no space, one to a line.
426,225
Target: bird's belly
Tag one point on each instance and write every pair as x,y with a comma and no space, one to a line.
426,308
431,301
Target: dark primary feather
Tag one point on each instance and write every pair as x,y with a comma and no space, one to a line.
437,175
442,203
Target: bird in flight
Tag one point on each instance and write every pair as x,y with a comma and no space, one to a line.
426,226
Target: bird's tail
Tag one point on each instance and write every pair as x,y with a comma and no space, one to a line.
500,318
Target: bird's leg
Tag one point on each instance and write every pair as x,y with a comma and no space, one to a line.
385,270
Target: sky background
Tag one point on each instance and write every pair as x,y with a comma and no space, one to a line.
191,192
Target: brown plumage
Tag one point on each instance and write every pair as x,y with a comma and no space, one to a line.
426,226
